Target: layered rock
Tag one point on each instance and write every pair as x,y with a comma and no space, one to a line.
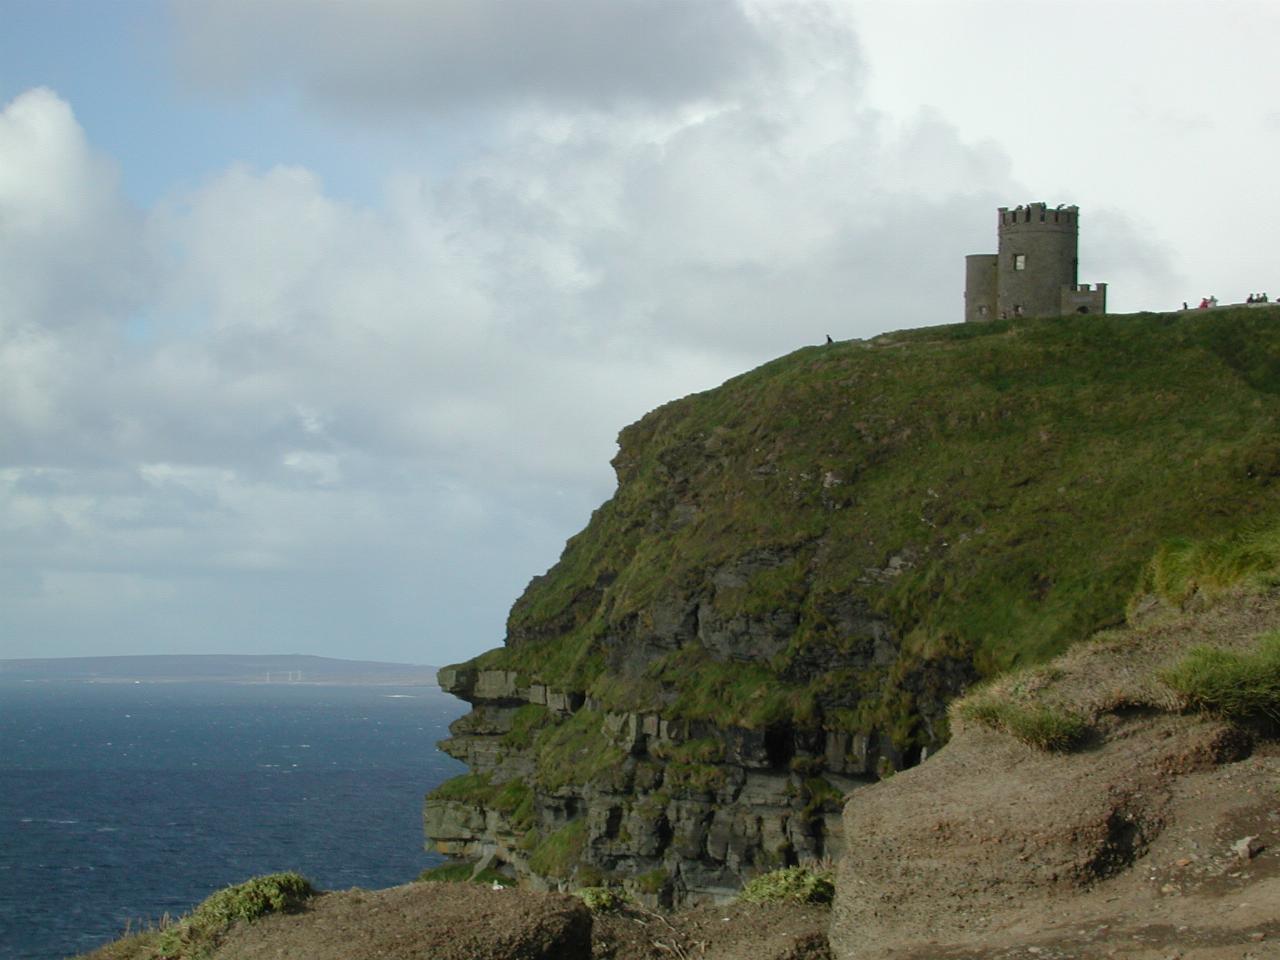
675,810
738,763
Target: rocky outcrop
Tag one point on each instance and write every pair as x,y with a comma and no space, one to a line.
674,810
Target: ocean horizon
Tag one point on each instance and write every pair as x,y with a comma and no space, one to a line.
123,802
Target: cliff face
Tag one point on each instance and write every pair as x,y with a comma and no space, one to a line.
801,568
679,809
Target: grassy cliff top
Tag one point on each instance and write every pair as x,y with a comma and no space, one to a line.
990,492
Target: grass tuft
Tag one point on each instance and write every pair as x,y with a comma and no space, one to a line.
602,899
1184,570
1242,687
791,885
1038,725
198,934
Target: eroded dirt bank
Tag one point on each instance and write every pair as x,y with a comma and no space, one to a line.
1158,837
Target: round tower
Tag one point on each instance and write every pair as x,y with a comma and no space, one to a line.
980,271
1036,259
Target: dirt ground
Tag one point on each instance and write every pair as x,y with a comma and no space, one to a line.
435,921
1158,840
738,931
420,920
1191,895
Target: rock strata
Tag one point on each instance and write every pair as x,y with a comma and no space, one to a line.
678,811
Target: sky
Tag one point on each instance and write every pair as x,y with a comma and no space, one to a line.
319,320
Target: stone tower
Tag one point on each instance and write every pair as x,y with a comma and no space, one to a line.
1033,274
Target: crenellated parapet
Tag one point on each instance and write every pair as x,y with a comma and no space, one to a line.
1084,298
1037,213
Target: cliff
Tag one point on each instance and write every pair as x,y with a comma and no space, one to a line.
1117,801
801,568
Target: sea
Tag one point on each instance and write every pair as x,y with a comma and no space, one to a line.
122,802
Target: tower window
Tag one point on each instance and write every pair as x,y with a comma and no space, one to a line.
1019,261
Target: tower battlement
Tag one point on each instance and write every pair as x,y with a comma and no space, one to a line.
1033,213
1033,272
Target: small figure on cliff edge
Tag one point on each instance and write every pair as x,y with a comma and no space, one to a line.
829,340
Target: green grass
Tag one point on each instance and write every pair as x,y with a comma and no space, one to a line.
577,751
513,798
1040,725
1183,569
1036,725
652,882
525,724
558,854
449,872
602,899
1240,686
693,778
820,796
474,788
199,933
701,750
462,873
490,877
813,884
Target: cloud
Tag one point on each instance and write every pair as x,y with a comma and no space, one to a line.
445,55
69,246
72,265
287,416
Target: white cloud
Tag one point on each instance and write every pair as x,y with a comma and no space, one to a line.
71,267
68,247
380,420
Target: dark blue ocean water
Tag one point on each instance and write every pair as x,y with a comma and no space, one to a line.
123,801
